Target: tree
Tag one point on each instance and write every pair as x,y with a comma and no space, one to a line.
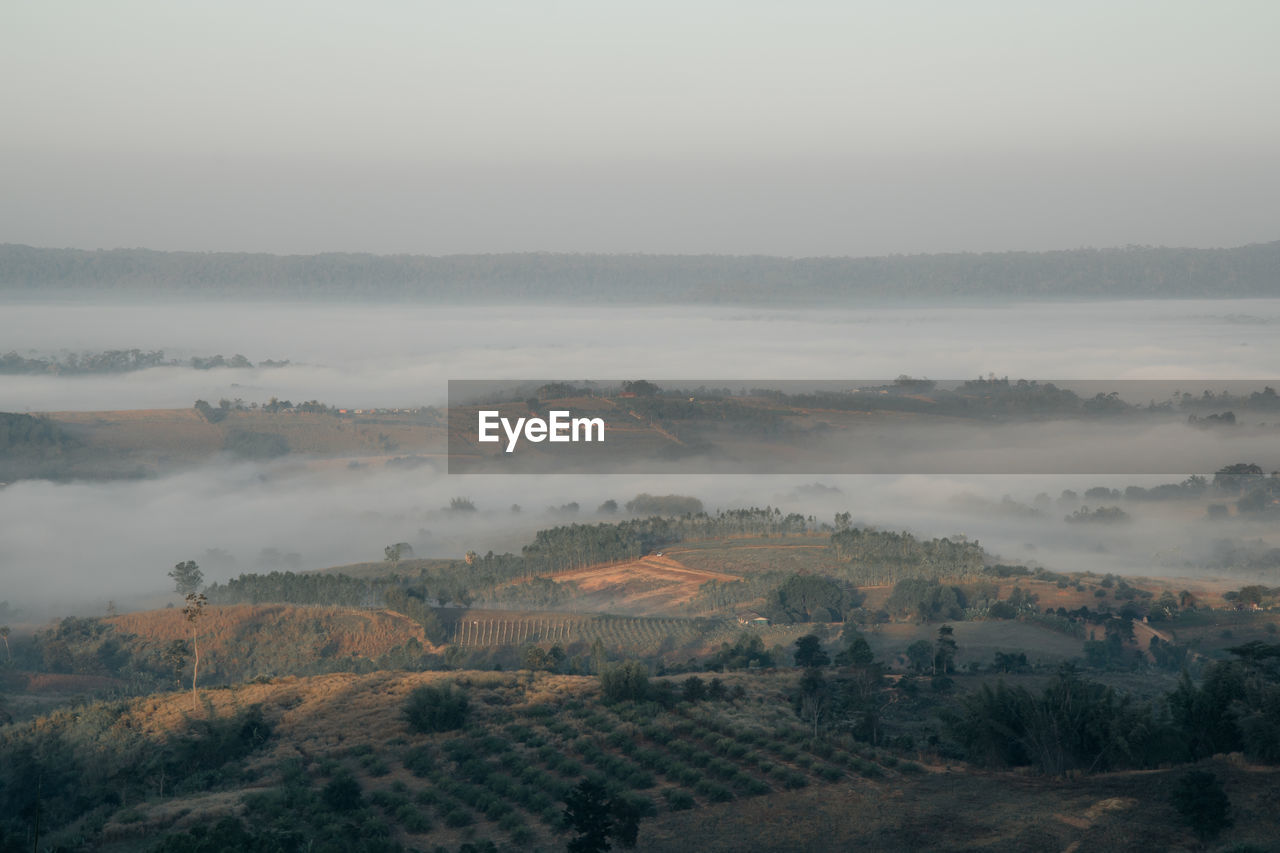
597,817
187,577
811,598
1235,478
640,387
1203,804
945,651
693,689
624,681
433,708
920,653
193,612
4,635
856,652
814,699
395,553
809,652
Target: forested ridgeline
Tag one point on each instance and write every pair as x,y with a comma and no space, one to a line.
1080,273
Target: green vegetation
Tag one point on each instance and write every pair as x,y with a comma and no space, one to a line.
77,763
255,445
25,434
436,709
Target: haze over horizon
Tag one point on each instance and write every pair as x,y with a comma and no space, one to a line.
817,130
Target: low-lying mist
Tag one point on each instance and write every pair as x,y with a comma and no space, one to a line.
78,545
402,355
74,547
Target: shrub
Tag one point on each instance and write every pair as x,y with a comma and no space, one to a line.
457,818
413,820
432,708
678,799
342,793
1202,803
830,773
793,780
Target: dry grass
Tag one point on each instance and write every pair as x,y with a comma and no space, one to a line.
348,632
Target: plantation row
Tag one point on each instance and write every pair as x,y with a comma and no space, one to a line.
637,635
515,778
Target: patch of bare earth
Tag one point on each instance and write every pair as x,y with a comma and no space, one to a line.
651,584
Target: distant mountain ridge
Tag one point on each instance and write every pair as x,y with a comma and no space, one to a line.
1123,273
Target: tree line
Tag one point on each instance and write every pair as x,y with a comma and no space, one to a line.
1129,272
119,361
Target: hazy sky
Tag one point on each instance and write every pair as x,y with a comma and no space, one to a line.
793,129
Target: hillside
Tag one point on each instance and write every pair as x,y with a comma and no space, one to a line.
731,774
246,637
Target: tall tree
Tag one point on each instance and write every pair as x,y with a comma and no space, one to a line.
944,654
187,577
193,612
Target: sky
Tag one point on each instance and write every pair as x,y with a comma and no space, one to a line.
807,128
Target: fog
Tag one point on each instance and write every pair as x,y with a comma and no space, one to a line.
402,355
77,545
813,128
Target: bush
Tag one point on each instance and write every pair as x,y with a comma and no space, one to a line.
678,799
457,818
343,793
413,820
1203,804
436,709
256,445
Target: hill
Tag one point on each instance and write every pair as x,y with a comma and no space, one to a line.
332,757
1131,272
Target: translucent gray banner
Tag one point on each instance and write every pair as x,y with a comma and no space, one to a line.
897,426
